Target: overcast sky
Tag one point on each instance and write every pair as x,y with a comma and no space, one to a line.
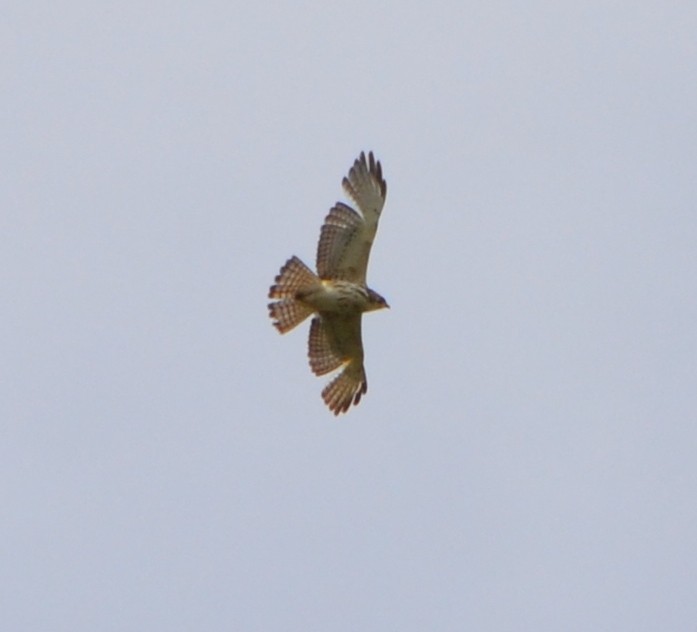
526,455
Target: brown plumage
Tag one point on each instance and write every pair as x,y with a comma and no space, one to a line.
338,293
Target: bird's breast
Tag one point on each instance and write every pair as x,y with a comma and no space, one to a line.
341,297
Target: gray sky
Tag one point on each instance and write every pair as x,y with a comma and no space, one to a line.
525,456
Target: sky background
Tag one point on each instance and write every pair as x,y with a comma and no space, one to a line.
525,458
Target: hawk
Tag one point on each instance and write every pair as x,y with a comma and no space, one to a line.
337,295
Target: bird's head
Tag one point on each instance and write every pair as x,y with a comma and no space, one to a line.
375,301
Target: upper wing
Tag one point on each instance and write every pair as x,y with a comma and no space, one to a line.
335,340
346,237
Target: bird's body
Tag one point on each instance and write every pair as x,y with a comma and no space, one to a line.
337,295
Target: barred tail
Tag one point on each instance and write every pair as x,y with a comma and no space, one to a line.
288,312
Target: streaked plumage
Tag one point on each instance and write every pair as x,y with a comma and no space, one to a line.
338,293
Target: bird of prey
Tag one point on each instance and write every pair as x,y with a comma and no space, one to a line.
337,295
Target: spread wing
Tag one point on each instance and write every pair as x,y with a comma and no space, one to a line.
347,236
324,352
335,341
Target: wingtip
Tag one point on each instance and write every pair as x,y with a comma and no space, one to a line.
340,394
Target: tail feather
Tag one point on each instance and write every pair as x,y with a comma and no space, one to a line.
288,312
294,276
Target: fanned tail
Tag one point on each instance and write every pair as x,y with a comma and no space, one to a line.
294,277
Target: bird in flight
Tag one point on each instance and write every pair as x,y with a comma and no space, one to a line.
337,295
